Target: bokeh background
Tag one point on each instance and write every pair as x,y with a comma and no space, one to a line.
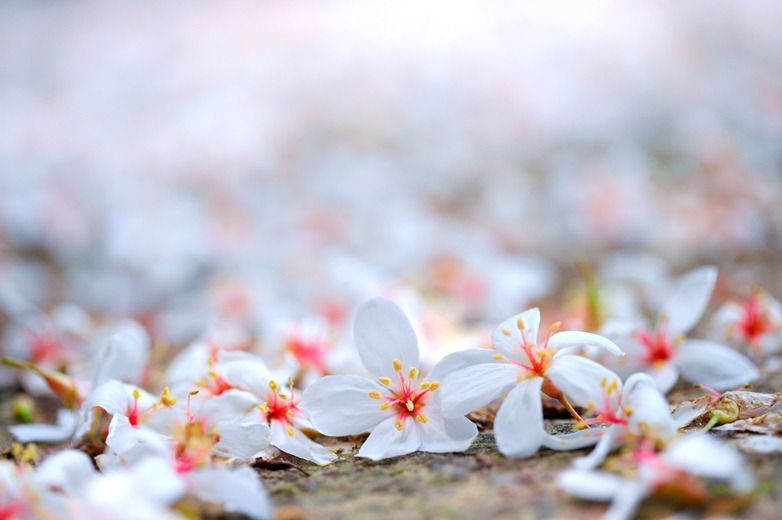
183,161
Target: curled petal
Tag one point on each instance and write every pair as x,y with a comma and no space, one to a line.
383,333
571,338
581,379
518,426
292,440
607,443
720,367
690,297
575,440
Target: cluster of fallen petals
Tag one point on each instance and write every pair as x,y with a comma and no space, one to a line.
222,404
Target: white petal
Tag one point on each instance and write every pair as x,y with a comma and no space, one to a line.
715,365
226,406
518,426
664,375
707,457
471,388
575,440
114,398
299,445
462,359
507,337
47,433
386,441
340,405
687,412
242,438
69,470
589,485
628,497
572,338
239,490
383,333
580,379
651,414
124,355
690,297
132,444
443,435
607,443
155,478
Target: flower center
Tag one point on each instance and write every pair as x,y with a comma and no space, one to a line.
280,406
606,412
309,352
407,397
754,323
45,347
659,348
536,359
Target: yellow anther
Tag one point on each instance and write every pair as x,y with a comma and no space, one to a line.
386,405
166,399
421,417
506,332
412,373
410,405
628,411
192,392
399,425
554,327
289,431
498,356
289,414
397,365
263,407
425,385
520,324
434,385
385,381
374,394
136,394
290,381
283,395
603,382
613,386
273,385
212,373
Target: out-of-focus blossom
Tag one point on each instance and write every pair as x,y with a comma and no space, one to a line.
755,322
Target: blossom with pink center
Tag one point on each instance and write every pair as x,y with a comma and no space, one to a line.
681,466
755,322
529,369
400,407
664,352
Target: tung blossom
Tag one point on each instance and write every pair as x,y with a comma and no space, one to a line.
399,406
530,370
664,352
755,322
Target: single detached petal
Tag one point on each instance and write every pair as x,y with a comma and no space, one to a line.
386,441
383,333
581,379
518,426
599,486
686,305
720,367
473,387
291,440
239,490
340,405
242,438
508,337
572,338
443,435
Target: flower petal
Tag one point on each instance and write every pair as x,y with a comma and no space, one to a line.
664,375
507,337
294,442
651,414
443,435
239,490
581,379
705,456
47,433
123,356
572,338
340,405
383,333
575,440
590,485
607,443
473,387
688,411
690,297
386,441
69,470
226,406
242,438
518,426
708,363
462,359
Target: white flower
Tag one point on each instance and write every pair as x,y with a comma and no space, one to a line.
755,322
642,415
664,352
530,369
695,455
400,408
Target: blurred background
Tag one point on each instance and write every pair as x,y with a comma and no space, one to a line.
184,161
